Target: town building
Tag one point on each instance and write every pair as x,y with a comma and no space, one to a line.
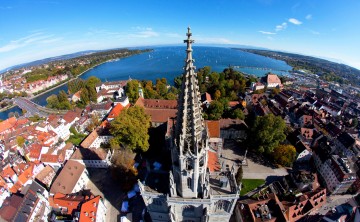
92,158
193,193
271,81
159,110
72,178
93,210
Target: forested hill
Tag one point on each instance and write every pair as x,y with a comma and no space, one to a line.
327,70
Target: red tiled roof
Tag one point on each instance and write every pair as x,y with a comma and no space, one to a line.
7,172
70,202
213,162
307,133
46,175
160,115
89,209
35,151
116,111
233,103
157,103
214,128
68,177
50,158
7,124
272,78
90,139
71,115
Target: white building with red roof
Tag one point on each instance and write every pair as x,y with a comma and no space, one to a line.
93,210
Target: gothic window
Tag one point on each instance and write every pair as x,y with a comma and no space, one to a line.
189,164
188,211
157,202
222,205
201,162
189,182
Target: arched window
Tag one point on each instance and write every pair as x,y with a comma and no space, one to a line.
189,165
189,182
222,205
188,211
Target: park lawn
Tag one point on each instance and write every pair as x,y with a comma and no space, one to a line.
250,184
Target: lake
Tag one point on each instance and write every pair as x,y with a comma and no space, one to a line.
168,62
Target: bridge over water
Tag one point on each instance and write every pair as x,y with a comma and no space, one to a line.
35,109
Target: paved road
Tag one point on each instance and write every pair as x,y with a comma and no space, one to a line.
29,106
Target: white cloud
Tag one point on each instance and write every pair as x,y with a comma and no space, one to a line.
143,33
295,21
281,27
308,17
267,33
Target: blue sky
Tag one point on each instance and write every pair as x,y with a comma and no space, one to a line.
31,30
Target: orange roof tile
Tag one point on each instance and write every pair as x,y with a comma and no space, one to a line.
90,139
157,103
116,111
89,209
213,162
7,172
7,124
160,115
50,158
68,177
214,128
272,78
70,202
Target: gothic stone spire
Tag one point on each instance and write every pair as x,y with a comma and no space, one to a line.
190,132
190,124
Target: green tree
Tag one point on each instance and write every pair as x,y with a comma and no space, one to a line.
161,87
237,114
92,93
130,129
217,94
267,133
52,102
62,97
84,96
20,141
284,155
132,92
239,175
215,110
92,81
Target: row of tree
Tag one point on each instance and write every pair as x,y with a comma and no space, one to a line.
88,94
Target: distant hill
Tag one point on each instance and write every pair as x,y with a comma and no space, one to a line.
51,59
327,70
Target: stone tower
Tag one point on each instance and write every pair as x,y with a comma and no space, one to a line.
192,193
189,151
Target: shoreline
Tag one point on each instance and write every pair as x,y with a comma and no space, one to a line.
66,81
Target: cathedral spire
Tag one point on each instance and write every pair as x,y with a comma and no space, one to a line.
190,132
190,124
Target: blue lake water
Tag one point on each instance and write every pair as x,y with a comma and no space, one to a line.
168,62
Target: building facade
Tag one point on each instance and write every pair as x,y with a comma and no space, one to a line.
193,194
